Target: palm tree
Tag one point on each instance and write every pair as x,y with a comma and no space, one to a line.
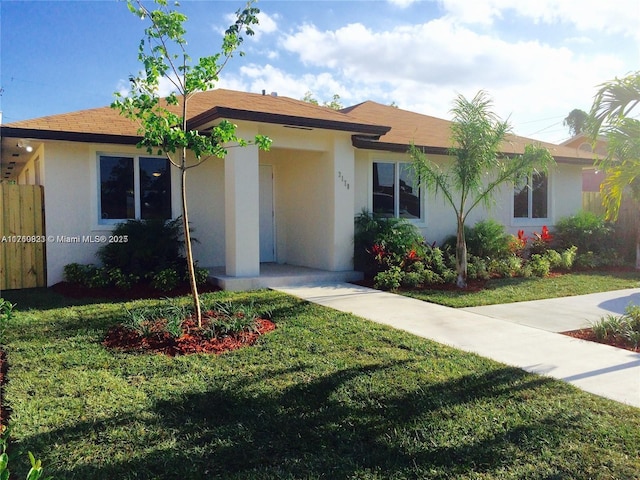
478,169
576,121
610,117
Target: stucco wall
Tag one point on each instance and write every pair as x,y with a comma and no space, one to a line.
302,187
205,199
565,186
70,178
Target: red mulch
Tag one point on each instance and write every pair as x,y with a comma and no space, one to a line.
192,340
587,334
136,292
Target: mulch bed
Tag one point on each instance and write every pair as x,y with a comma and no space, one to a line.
587,334
136,292
192,340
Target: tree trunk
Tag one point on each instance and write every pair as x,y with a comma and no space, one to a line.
461,256
187,246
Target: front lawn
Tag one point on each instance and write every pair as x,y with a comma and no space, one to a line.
326,395
519,289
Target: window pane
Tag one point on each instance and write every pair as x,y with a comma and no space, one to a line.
409,193
116,188
521,198
383,189
155,188
539,195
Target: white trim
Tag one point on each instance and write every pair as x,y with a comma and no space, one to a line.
529,221
418,222
102,223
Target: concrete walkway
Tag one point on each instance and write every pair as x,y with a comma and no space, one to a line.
607,371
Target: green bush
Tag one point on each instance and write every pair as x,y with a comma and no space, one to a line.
587,231
201,274
510,266
389,279
486,239
568,257
77,273
477,268
539,265
411,279
381,242
99,277
165,280
147,247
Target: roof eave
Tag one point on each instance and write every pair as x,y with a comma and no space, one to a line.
280,119
13,132
359,141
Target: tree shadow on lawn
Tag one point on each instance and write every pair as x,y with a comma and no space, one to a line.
315,430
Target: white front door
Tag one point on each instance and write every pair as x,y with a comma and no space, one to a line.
267,229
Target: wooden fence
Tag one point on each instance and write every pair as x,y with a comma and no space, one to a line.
22,237
628,223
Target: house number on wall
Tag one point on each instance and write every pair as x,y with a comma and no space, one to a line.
343,180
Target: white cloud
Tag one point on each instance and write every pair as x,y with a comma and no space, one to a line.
402,3
266,24
618,16
422,67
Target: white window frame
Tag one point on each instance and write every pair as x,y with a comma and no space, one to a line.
529,220
136,186
396,191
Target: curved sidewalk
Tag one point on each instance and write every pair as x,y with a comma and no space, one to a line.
606,371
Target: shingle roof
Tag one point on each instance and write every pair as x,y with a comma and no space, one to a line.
375,126
204,107
434,134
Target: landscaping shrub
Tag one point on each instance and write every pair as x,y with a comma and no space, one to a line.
389,279
165,280
382,242
539,265
77,273
587,231
625,328
487,239
147,246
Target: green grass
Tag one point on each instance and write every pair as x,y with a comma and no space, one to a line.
508,290
325,396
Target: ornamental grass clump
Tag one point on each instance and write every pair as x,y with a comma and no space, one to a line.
624,328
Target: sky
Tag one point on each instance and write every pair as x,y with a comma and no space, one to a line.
537,59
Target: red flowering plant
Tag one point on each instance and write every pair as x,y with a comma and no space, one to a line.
541,242
517,245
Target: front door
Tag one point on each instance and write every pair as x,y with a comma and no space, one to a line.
267,229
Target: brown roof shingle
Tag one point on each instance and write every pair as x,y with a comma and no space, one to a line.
434,134
375,126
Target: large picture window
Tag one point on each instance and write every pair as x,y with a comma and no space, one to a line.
395,191
133,187
530,196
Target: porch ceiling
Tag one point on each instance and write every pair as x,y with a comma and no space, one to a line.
14,155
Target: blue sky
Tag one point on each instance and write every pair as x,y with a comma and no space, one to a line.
537,59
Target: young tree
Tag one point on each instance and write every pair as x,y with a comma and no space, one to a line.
163,121
610,116
478,167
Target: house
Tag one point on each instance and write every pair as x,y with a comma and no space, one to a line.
293,205
592,177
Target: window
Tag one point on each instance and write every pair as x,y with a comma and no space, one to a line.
530,196
395,191
134,187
